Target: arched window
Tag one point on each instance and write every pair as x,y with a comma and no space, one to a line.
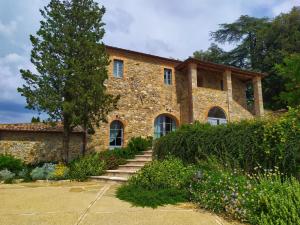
216,116
163,124
116,134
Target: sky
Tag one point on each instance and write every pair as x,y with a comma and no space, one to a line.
169,28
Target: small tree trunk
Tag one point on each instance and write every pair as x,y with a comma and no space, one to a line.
84,141
66,140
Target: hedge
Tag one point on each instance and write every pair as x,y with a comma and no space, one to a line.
266,143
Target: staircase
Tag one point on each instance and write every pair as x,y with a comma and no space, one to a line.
123,172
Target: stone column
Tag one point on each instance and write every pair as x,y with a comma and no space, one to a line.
192,79
258,99
228,88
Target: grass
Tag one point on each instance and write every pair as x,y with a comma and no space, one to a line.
139,196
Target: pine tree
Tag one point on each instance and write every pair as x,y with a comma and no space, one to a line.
71,64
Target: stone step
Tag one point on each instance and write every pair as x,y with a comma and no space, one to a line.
125,171
140,163
148,151
119,173
137,162
143,157
109,179
131,167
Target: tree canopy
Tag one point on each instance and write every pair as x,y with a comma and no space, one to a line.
290,70
259,44
71,66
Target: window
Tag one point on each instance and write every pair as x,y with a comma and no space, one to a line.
163,125
118,68
168,76
216,116
116,134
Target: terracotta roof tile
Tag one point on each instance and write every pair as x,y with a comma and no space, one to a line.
36,127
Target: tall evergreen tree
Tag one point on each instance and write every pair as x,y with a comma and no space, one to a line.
71,64
213,54
245,33
260,44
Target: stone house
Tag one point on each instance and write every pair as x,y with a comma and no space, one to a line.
159,94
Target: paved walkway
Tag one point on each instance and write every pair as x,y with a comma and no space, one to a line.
88,203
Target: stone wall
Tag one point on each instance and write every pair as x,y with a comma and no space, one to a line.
211,79
206,98
35,147
144,96
239,105
210,95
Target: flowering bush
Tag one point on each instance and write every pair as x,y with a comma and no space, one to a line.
222,191
60,172
276,200
262,198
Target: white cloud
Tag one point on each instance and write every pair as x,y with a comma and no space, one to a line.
285,6
8,29
182,26
12,58
10,78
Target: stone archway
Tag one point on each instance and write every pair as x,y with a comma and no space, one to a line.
164,124
216,116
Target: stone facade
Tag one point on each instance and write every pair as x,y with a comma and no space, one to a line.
196,87
144,96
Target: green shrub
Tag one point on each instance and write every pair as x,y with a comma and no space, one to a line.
158,183
277,201
89,165
111,160
139,196
258,199
247,144
25,174
138,144
11,163
170,173
7,176
43,173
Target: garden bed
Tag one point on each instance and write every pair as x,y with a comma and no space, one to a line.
94,164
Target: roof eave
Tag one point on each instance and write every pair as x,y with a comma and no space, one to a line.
126,51
220,67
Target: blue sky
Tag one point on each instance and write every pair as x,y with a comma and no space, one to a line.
163,27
